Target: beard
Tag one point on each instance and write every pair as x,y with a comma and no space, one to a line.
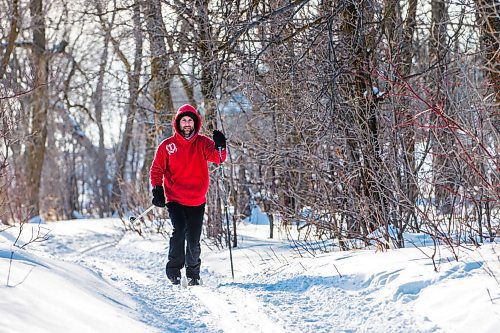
187,131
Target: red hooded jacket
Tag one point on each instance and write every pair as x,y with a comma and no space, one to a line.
181,165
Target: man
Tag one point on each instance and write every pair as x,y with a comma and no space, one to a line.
179,173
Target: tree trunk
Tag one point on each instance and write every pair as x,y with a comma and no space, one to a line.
133,78
361,97
207,62
401,45
159,124
489,16
442,145
102,173
35,150
14,31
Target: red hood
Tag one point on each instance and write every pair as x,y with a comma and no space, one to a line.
186,108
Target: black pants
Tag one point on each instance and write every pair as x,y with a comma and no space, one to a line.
187,222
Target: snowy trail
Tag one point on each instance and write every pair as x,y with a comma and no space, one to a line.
236,311
136,266
255,303
140,274
274,290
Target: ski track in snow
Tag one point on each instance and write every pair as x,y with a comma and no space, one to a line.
257,302
236,311
160,304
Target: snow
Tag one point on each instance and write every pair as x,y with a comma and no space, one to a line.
91,276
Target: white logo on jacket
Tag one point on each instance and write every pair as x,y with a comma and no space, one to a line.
171,148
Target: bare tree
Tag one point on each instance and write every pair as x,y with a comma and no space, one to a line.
102,188
159,123
489,20
133,79
35,151
14,31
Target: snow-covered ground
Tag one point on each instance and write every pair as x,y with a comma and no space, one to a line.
90,276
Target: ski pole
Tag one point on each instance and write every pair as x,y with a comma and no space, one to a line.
226,213
133,218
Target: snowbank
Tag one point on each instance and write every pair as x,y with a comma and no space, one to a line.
40,294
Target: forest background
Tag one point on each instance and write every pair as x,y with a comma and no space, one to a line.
344,117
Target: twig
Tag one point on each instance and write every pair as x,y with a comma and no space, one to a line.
340,275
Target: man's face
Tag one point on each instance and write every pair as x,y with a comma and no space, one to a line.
187,125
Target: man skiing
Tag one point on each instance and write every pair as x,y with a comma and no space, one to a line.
179,173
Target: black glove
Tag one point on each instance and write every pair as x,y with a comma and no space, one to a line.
158,196
219,139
